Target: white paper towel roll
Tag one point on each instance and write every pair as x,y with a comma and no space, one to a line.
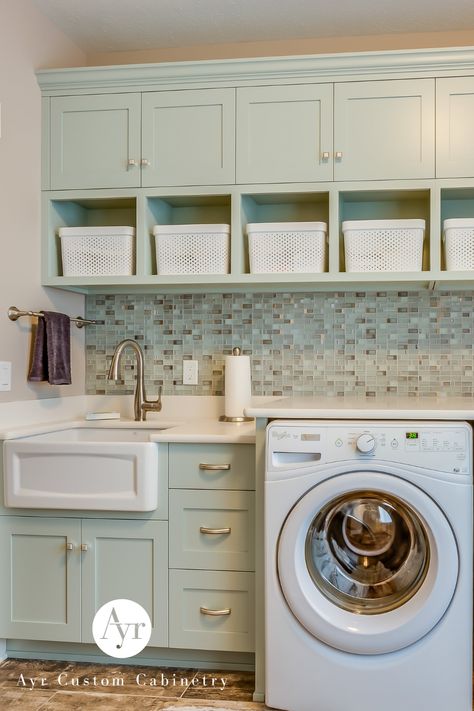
238,387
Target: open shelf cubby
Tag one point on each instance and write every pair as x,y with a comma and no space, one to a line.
385,205
182,210
280,207
456,202
85,212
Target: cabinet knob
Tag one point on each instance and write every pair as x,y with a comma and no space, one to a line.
214,467
69,546
338,155
215,531
132,163
145,162
84,547
325,155
215,613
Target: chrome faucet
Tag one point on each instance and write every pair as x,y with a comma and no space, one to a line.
140,404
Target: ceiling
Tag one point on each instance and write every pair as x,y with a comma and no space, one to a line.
114,25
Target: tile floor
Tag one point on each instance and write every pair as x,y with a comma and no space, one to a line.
63,686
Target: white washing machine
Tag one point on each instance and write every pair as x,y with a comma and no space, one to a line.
368,570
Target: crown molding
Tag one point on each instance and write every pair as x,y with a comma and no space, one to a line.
328,67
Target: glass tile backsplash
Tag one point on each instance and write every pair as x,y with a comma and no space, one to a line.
358,343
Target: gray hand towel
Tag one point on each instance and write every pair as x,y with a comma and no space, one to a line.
51,358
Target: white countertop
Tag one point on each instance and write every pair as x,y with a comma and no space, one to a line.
200,423
366,408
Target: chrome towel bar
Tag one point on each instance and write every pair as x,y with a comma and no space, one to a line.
14,314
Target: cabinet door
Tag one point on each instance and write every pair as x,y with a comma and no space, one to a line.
384,129
283,133
92,140
188,137
126,559
454,127
40,580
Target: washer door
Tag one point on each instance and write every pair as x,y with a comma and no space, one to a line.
367,562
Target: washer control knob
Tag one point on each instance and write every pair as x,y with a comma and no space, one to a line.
365,443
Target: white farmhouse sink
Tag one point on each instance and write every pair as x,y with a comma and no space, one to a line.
83,468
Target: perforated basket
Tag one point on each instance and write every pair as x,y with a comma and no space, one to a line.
298,247
459,244
97,251
192,249
383,245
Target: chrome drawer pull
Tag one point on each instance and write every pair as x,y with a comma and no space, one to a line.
215,613
215,531
215,467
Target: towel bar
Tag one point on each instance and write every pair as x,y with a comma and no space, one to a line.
14,314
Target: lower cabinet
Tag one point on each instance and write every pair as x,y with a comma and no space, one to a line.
212,542
57,572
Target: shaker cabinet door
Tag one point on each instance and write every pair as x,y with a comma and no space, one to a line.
126,559
284,133
384,129
40,581
94,140
454,127
188,137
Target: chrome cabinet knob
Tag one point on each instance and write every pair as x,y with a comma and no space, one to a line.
69,546
325,155
145,162
338,155
132,163
84,547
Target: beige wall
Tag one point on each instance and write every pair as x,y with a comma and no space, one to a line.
28,41
317,45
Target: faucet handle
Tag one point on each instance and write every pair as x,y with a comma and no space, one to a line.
152,405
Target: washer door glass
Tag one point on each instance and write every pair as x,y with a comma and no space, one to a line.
367,552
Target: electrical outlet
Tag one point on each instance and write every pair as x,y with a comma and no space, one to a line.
5,375
190,372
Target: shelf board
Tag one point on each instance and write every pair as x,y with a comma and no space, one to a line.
265,282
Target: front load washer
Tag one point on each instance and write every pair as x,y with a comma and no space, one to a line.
368,566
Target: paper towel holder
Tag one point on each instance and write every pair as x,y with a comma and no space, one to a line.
223,418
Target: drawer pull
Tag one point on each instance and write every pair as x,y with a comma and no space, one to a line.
215,613
215,531
214,467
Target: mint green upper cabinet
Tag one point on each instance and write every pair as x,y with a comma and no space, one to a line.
93,139
188,137
284,133
454,127
384,129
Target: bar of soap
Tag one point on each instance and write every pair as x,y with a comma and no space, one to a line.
103,416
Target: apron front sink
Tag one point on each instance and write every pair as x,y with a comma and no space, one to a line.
91,469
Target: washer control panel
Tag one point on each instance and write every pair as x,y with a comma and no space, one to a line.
443,446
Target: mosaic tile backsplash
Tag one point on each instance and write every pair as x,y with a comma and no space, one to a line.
415,343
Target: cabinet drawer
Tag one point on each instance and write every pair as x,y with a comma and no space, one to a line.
212,466
212,530
195,594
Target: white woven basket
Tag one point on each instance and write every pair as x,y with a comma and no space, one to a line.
459,244
97,251
192,249
383,245
298,247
